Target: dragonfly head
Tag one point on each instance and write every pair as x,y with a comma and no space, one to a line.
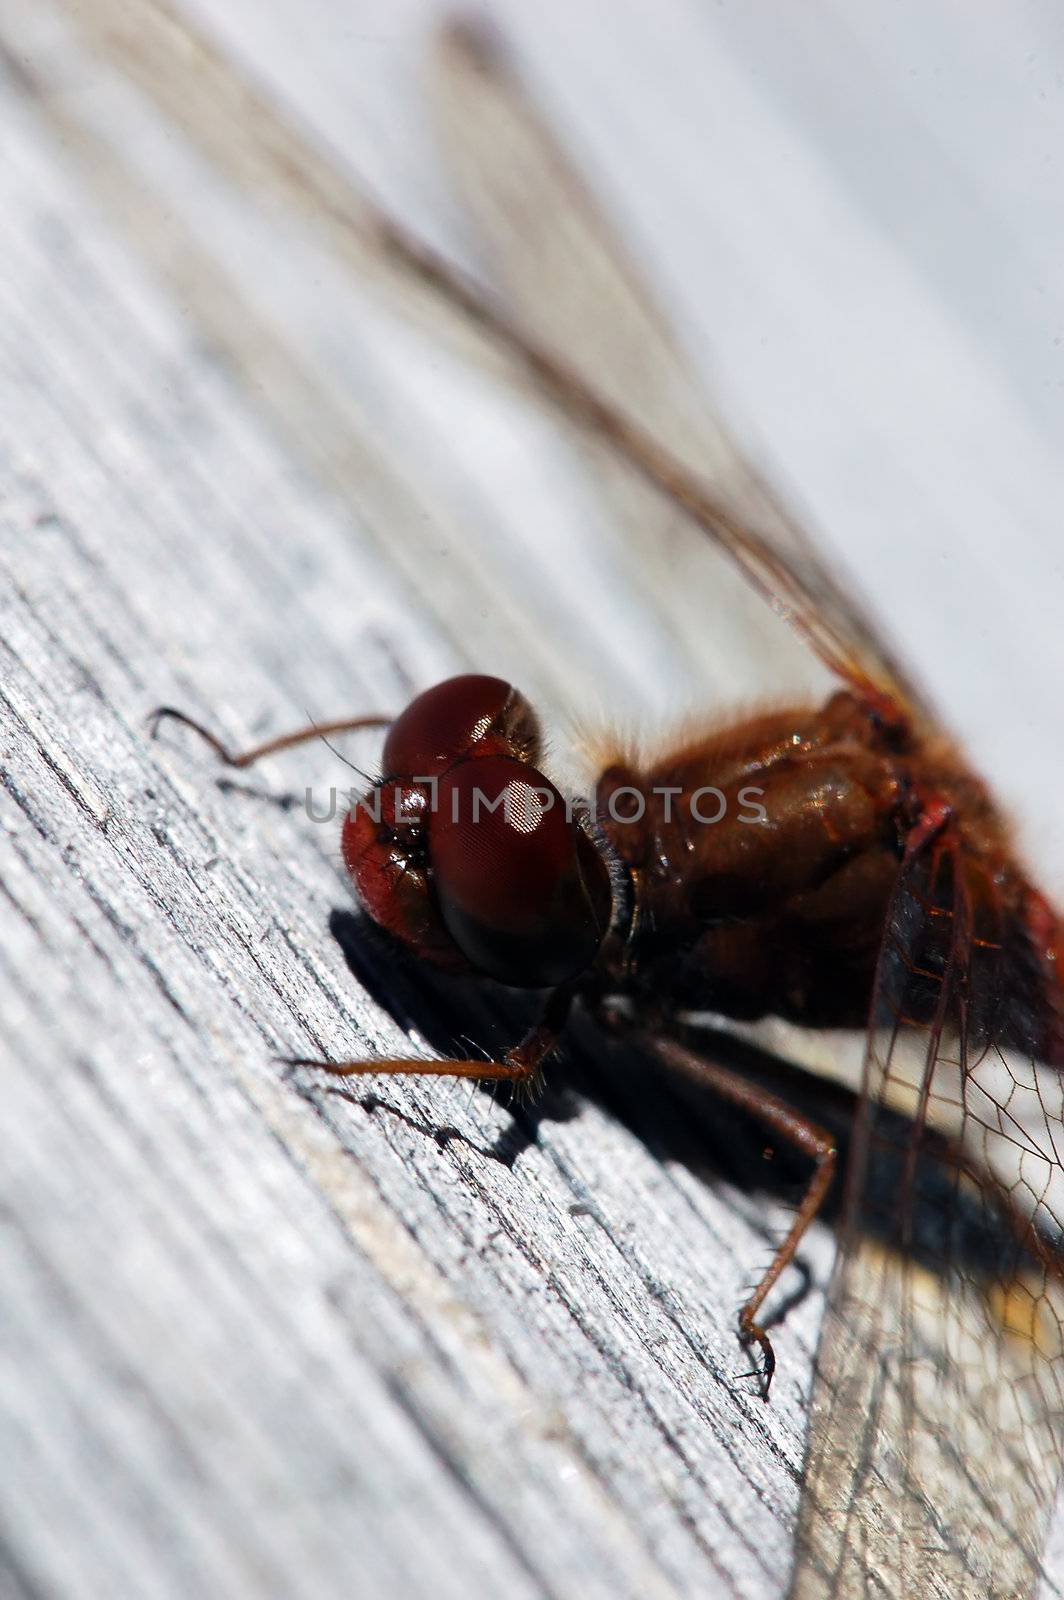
467,853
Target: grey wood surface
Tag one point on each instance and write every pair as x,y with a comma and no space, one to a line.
261,1337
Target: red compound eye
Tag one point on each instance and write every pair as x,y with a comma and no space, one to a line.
521,889
471,715
391,876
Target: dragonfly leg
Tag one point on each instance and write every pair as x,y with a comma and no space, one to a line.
787,1123
519,1065
285,741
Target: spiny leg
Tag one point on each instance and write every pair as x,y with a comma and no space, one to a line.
519,1065
284,741
799,1131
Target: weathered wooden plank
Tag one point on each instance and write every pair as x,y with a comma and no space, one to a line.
259,1336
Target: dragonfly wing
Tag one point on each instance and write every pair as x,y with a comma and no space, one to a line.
938,1407
569,292
676,443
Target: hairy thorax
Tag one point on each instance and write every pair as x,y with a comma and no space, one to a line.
762,859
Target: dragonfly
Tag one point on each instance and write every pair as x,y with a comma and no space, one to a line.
883,889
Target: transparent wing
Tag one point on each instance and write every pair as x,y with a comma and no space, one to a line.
938,1407
578,316
603,357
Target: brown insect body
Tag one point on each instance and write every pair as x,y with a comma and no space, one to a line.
752,869
783,913
774,911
